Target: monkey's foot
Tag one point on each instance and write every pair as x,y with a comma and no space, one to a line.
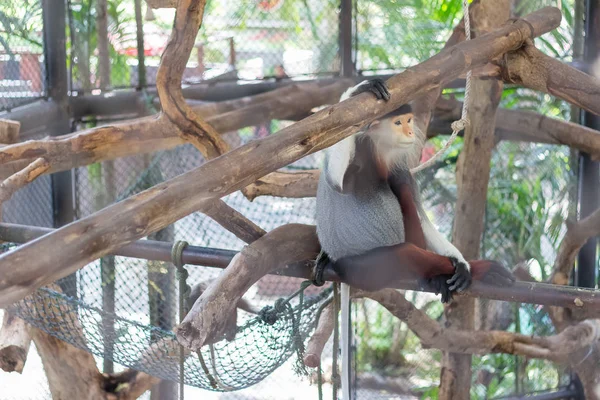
439,285
462,276
492,273
377,87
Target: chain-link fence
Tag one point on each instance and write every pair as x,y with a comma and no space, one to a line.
238,40
21,53
126,303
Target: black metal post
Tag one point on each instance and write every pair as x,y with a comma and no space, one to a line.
589,171
140,45
55,57
347,66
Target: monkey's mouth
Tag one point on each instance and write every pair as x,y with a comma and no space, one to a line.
405,143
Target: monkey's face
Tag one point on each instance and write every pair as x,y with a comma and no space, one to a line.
394,132
402,126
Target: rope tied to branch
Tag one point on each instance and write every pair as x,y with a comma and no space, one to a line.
463,122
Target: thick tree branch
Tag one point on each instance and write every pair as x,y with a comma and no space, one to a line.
234,221
73,246
206,322
192,128
472,176
14,343
150,134
533,69
9,131
286,184
577,235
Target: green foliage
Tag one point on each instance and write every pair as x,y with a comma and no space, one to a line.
20,25
83,49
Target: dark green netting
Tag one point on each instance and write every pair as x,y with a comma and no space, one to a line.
143,295
257,350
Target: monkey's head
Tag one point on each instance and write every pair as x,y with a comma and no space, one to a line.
395,131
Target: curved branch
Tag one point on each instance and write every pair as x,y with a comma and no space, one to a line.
194,129
571,345
577,235
15,182
284,245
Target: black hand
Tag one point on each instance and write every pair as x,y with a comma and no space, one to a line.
461,278
376,86
439,285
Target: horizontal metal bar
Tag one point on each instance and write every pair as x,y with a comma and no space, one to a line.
521,292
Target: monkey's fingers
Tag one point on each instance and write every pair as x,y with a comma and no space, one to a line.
384,93
461,279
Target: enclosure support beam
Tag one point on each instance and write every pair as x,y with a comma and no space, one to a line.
55,57
345,37
139,23
589,171
521,292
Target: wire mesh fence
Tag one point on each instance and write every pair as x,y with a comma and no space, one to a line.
21,53
239,40
126,304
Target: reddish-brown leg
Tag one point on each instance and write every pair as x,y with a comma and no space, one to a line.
375,269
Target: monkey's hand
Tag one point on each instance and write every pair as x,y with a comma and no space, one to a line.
492,273
462,276
376,86
439,285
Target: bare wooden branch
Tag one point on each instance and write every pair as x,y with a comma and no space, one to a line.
234,221
72,370
129,384
192,128
9,131
577,235
323,331
282,246
472,176
285,184
22,178
162,4
150,134
570,345
524,126
73,246
14,343
533,69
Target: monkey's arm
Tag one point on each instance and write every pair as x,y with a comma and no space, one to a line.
339,156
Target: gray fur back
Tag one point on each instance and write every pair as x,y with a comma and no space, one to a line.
366,215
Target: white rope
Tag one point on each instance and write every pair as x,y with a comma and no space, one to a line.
463,122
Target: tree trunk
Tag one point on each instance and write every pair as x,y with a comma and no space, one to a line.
102,35
472,175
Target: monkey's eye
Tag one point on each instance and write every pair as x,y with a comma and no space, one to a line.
398,122
409,120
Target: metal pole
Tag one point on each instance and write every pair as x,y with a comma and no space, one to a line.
347,66
520,292
140,45
55,57
589,171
